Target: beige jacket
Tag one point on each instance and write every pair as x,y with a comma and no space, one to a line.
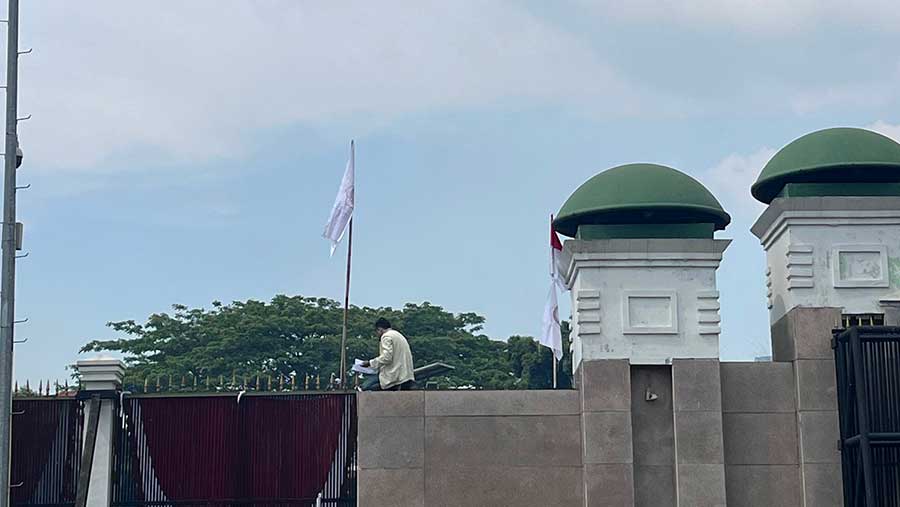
394,362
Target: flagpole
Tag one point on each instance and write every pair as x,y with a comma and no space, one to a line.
346,307
554,368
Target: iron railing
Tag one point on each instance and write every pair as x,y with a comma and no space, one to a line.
46,451
867,362
223,450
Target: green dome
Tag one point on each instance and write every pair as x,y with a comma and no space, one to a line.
640,194
835,155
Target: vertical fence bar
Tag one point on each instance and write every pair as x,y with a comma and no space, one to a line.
865,448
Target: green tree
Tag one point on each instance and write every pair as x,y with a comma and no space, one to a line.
296,335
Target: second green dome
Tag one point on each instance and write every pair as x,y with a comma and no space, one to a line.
835,155
640,194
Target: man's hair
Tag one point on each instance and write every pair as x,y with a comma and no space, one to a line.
382,323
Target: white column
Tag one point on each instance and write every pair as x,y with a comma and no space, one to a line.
101,377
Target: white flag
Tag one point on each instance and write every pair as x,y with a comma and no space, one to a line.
551,336
343,205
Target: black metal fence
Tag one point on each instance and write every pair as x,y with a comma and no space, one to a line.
46,451
259,450
867,361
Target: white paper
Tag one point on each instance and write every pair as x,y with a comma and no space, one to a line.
359,368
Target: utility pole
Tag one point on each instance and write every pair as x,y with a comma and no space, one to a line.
8,245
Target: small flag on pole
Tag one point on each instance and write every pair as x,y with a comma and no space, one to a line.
343,205
551,336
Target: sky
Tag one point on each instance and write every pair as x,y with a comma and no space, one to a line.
191,151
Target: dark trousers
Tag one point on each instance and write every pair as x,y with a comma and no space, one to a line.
406,386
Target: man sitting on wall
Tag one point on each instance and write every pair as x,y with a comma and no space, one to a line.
394,362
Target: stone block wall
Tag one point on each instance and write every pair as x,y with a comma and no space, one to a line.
695,433
451,448
760,430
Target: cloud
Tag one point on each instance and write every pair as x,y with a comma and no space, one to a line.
889,129
189,82
730,180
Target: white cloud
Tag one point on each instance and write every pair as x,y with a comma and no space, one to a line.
889,129
190,81
730,181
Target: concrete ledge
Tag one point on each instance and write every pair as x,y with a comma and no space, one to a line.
391,488
695,384
698,438
822,485
607,437
816,384
607,485
701,485
654,485
508,441
501,403
391,442
804,333
763,485
758,387
760,439
500,486
390,403
606,385
819,433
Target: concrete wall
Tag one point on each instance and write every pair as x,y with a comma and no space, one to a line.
737,434
452,448
760,430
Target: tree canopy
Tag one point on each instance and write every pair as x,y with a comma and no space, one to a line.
296,335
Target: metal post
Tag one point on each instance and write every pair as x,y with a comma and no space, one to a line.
8,246
555,367
346,306
862,414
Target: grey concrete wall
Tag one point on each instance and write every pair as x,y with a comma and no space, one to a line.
760,430
803,337
699,447
653,436
605,402
741,434
451,448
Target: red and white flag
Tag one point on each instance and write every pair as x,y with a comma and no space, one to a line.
551,336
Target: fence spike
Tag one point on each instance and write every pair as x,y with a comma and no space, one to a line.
269,382
280,382
257,381
318,381
182,381
16,388
294,380
48,387
207,382
306,382
169,385
146,383
233,378
222,381
158,383
40,387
